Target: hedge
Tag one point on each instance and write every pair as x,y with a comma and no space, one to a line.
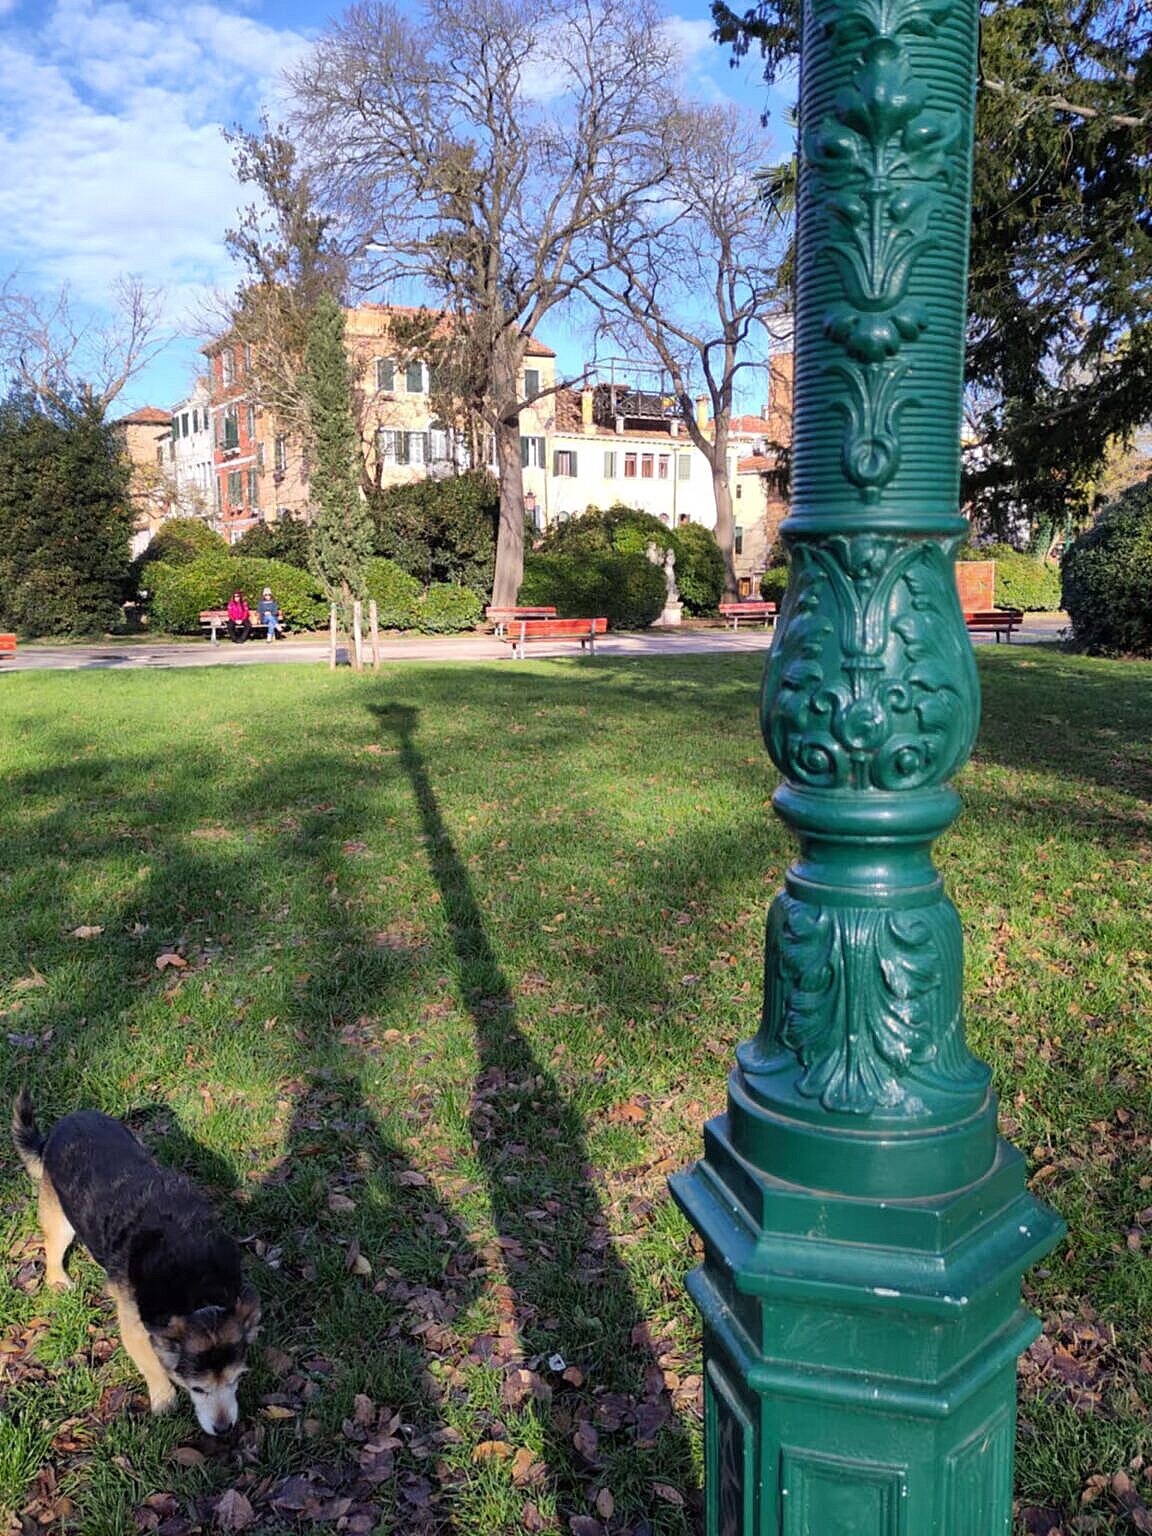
180,593
179,541
1022,581
1107,578
447,609
773,583
628,531
627,590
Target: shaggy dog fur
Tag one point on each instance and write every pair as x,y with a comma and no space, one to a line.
186,1318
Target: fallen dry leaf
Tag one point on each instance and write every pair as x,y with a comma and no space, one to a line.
278,1411
169,960
187,1456
233,1512
86,931
669,1494
493,1450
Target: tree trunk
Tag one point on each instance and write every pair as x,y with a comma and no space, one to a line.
507,357
725,527
510,534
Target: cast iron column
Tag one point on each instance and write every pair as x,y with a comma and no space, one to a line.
864,1228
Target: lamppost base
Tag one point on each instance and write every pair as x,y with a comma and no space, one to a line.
861,1353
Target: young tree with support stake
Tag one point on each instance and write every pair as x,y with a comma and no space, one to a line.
341,527
474,145
693,286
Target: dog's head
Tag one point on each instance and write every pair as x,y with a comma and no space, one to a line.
205,1354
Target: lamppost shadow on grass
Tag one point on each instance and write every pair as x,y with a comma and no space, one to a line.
609,1424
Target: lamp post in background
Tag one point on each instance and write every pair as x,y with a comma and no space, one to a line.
865,1230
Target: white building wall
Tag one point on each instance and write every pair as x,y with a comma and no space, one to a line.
190,450
615,468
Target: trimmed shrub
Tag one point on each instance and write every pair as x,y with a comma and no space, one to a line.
627,590
397,594
446,610
772,584
288,540
1107,578
180,593
699,567
628,531
440,530
180,541
1022,581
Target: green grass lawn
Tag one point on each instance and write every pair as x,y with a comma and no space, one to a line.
466,952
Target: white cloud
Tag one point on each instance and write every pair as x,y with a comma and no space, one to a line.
110,118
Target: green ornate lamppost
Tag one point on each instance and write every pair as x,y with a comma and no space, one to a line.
865,1229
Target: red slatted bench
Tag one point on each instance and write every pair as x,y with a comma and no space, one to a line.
998,621
214,619
749,610
500,618
7,646
522,632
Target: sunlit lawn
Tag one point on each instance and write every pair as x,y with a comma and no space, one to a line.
466,952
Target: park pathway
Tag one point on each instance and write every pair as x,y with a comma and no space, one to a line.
110,655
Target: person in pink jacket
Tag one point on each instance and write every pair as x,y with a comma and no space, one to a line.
239,618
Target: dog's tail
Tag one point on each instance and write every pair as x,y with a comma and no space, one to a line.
27,1135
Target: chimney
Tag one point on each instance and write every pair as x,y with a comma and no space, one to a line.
702,412
586,409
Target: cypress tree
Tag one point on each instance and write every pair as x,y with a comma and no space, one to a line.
341,525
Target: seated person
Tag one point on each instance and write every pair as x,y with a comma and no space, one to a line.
268,614
239,618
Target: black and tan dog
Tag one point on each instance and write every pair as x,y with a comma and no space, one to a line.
186,1319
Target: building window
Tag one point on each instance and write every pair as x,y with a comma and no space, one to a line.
253,489
280,455
175,426
247,356
439,445
739,490
647,466
251,422
414,378
160,454
385,375
564,462
184,425
231,430
684,466
386,445
663,465
235,487
629,466
227,365
609,466
532,452
531,382
737,540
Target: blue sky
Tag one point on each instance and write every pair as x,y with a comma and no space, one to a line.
110,137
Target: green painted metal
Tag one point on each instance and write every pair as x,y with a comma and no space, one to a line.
864,1228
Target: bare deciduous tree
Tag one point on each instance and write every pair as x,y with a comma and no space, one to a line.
693,283
474,144
75,361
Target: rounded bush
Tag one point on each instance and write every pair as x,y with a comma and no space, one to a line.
627,590
1107,578
772,584
397,594
440,531
181,540
1022,581
180,593
447,610
628,531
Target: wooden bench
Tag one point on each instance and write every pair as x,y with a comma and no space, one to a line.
216,619
998,621
521,632
7,646
500,618
749,610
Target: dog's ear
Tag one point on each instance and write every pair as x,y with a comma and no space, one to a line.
174,1331
248,1312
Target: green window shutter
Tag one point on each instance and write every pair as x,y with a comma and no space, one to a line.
385,375
523,453
414,378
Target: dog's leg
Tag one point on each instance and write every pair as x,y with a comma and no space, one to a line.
134,1336
58,1234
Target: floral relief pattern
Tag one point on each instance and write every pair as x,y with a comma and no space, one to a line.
871,684
882,155
868,1000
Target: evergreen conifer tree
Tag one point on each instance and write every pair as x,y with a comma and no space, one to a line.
65,518
341,525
